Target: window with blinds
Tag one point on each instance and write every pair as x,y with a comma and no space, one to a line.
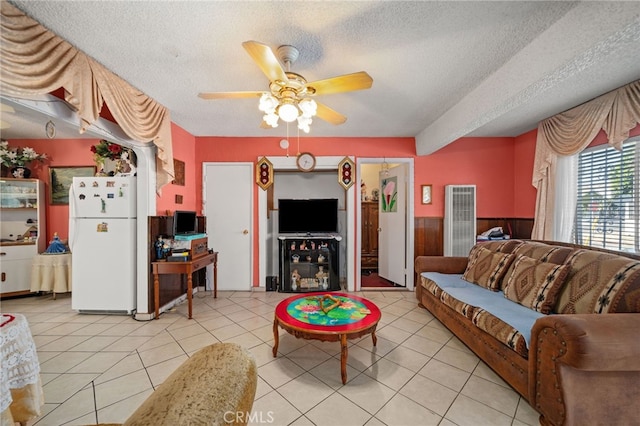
607,210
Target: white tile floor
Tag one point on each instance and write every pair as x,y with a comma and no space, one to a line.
98,369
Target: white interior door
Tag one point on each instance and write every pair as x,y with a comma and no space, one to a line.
392,222
228,196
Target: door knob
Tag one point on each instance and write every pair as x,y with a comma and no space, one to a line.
245,232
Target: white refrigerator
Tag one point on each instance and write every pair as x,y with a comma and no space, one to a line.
102,239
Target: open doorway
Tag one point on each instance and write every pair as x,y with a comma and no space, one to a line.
385,224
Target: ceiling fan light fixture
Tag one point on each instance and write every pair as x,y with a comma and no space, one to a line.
268,103
288,111
309,107
304,123
271,119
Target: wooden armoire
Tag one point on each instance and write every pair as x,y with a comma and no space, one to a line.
369,217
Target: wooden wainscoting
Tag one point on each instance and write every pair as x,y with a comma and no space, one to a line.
429,232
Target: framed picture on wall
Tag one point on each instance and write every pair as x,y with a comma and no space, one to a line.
178,169
60,179
426,194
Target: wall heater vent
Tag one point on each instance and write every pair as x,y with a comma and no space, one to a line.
459,219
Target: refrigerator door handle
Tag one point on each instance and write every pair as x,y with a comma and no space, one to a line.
72,217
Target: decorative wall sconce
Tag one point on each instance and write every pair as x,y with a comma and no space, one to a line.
264,173
346,171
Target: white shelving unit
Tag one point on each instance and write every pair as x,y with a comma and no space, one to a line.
22,232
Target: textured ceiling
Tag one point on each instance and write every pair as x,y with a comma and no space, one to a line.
441,69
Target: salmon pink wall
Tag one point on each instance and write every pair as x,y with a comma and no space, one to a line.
76,152
183,150
218,149
61,152
524,195
484,162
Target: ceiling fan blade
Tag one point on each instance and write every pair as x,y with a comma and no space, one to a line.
229,95
344,83
266,60
329,115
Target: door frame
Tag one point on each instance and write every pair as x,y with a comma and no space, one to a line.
322,163
409,237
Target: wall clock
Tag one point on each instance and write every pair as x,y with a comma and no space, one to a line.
306,162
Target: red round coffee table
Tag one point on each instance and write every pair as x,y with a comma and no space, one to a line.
329,317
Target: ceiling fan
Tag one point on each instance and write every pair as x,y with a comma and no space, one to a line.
290,95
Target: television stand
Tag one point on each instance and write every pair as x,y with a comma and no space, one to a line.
309,263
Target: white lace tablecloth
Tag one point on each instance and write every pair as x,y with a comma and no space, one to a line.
21,396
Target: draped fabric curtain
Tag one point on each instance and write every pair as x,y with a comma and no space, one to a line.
566,190
33,61
570,132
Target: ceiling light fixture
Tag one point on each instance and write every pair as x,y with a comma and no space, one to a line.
288,109
289,100
385,168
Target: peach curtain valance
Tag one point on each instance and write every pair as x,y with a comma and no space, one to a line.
36,61
570,132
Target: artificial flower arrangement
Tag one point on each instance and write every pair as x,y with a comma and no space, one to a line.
106,150
18,157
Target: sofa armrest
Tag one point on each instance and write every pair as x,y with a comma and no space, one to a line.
585,368
442,264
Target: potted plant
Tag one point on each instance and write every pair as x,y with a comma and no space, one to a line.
18,159
104,151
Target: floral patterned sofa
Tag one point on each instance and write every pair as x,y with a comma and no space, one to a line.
559,323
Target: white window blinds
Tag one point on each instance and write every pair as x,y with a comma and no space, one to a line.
607,207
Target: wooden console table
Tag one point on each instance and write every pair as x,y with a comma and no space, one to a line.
184,268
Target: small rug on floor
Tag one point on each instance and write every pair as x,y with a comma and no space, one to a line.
374,280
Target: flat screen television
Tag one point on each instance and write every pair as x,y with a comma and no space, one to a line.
310,216
184,222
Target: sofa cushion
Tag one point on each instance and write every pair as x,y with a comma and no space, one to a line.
540,251
535,284
502,331
459,306
487,268
502,246
600,283
430,286
513,314
544,252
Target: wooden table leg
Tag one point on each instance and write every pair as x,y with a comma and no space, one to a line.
373,337
276,337
344,352
156,294
215,276
190,292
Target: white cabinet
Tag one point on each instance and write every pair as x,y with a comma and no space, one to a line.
22,232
